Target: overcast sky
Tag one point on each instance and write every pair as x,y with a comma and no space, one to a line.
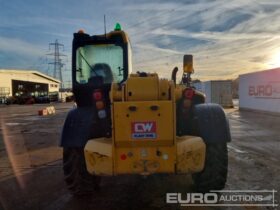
227,38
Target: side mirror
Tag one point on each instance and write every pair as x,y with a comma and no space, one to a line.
188,64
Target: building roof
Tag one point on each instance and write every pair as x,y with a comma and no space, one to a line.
262,71
17,71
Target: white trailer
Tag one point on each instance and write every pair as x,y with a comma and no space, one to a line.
217,91
260,91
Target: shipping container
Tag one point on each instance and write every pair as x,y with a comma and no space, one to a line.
217,91
260,91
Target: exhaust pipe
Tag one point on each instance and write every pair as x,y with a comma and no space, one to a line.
174,73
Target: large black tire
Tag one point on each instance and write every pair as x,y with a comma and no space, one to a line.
214,174
78,180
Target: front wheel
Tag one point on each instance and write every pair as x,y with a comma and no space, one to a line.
78,180
214,174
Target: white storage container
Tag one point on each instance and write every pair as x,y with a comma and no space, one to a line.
217,91
260,91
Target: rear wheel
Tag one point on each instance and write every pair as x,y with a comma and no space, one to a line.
214,175
78,180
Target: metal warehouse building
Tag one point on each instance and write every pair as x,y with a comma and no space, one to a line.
26,83
260,91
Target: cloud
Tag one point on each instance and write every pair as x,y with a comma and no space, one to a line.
235,37
15,53
18,46
226,37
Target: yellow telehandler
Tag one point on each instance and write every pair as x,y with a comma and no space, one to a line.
137,123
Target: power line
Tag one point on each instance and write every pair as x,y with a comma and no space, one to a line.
160,26
150,18
156,58
37,64
176,9
57,61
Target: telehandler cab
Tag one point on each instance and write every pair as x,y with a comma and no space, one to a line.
137,123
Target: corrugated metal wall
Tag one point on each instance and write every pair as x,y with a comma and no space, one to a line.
217,91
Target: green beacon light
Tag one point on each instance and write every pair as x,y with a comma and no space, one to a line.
118,27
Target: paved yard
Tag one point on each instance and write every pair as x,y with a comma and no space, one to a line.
31,174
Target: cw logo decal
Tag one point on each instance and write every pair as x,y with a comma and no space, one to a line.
143,130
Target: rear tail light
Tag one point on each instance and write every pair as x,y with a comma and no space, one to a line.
99,105
98,99
188,93
123,156
97,95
